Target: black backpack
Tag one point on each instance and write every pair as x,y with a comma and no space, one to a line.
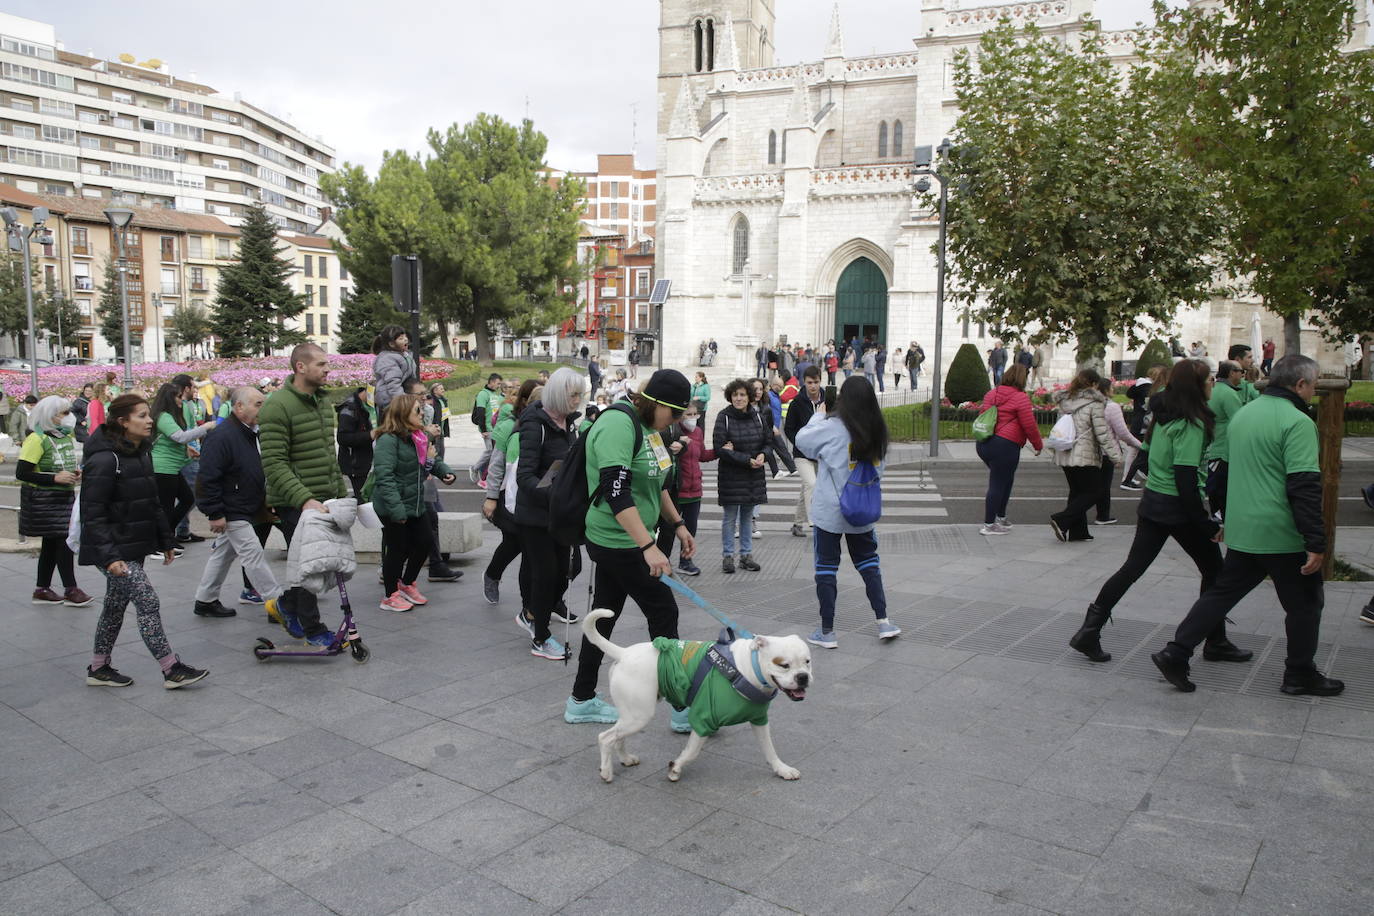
568,496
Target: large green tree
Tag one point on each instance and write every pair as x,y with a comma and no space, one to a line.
55,311
14,315
1064,212
497,240
1264,95
109,313
254,299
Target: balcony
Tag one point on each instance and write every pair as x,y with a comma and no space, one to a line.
82,250
199,286
171,289
83,284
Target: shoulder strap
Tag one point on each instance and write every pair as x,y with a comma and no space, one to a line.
638,427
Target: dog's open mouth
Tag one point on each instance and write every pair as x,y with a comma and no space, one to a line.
795,693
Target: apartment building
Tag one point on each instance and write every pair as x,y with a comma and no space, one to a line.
124,133
319,276
613,301
620,196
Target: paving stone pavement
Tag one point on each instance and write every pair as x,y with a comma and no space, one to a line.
973,765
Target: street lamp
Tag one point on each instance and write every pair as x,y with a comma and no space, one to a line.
20,236
119,218
926,165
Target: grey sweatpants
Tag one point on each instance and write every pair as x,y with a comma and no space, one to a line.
240,542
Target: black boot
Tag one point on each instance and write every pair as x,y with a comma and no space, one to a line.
1175,670
1088,638
1223,650
1313,682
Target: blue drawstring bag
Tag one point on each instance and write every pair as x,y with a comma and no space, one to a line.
861,499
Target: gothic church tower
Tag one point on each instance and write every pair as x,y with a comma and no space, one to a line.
692,41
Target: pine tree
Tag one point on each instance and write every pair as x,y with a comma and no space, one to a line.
967,379
254,299
358,322
110,314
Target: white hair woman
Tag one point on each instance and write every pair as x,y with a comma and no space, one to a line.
48,471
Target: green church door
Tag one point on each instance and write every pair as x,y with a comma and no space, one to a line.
861,303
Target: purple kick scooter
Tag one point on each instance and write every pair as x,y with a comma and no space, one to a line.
346,637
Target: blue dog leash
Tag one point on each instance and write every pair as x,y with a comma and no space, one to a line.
706,606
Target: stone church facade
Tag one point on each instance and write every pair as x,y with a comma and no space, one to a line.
786,200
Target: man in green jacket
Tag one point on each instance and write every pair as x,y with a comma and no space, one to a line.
487,399
1225,402
296,434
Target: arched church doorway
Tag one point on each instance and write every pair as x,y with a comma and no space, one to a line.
861,303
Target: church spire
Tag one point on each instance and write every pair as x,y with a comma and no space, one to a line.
834,46
684,122
729,52
799,115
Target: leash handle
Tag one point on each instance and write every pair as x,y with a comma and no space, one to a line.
706,606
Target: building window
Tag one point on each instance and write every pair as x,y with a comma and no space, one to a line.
324,267
704,44
642,283
882,140
223,248
343,271
613,211
170,286
309,295
193,246
198,278
168,246
84,305
80,242
615,189
324,324
896,138
740,253
696,46
81,276
309,266
772,147
309,322
324,296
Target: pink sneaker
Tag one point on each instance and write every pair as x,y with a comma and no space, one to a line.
396,602
412,594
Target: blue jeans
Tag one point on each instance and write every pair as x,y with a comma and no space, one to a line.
189,472
741,517
863,553
1002,457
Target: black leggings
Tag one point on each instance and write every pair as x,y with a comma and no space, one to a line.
507,552
56,555
1150,537
176,497
667,534
622,574
1083,495
405,545
541,552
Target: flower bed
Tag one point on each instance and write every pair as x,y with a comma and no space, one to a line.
351,370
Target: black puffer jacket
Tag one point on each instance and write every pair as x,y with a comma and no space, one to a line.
541,444
121,518
737,483
354,437
231,483
45,506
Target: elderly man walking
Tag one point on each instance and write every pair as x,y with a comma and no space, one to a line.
233,496
1273,527
297,436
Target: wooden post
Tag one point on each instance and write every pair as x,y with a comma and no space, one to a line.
1330,433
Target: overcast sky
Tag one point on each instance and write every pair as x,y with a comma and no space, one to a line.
368,77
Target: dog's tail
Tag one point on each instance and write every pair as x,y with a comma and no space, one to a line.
612,651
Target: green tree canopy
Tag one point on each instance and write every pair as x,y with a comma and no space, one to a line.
189,326
254,298
1263,95
362,317
109,312
497,240
967,378
56,311
1064,211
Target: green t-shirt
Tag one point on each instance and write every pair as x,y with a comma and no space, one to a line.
49,454
609,443
1178,442
1270,439
717,704
1225,403
169,456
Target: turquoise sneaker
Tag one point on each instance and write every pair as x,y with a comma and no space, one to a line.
578,712
681,725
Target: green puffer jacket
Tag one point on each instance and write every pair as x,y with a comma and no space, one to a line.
398,478
296,434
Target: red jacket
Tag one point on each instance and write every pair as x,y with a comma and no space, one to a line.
689,464
1015,419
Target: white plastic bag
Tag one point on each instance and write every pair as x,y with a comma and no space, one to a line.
1063,435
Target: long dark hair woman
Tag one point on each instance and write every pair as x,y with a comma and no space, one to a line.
173,431
499,506
855,432
121,523
1171,507
393,365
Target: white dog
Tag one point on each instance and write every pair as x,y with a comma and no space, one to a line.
720,684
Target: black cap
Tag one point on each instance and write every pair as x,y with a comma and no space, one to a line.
668,387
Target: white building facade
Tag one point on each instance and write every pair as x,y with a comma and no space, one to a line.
786,200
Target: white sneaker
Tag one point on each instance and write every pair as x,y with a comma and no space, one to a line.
757,534
1002,520
994,528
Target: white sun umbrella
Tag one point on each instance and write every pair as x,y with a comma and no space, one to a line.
1256,338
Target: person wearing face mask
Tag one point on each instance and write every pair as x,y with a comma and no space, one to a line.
233,496
689,489
48,472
